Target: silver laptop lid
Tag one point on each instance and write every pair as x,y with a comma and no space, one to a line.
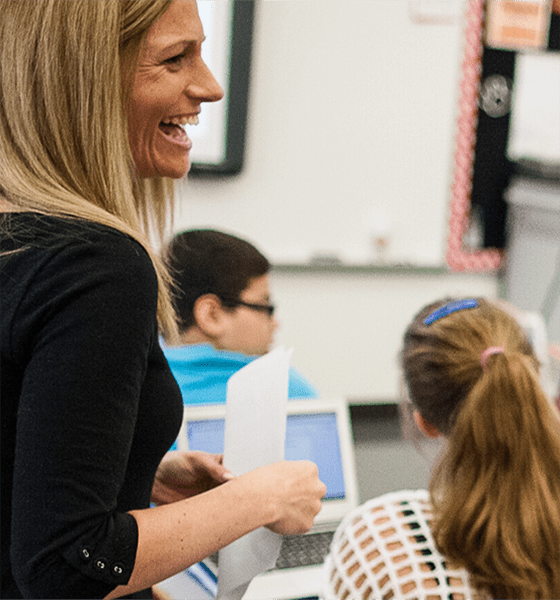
318,430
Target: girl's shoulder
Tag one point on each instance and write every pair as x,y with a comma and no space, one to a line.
386,543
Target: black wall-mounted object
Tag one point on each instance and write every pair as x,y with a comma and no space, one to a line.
492,169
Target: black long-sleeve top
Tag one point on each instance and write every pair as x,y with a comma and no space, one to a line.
88,405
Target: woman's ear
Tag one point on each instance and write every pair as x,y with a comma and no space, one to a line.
426,428
208,315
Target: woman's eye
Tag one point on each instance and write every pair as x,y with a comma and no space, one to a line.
176,60
187,53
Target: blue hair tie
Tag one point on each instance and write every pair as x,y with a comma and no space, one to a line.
448,309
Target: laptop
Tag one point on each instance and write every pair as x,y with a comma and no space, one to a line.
317,430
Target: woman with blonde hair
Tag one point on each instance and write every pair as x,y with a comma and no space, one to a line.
95,96
490,525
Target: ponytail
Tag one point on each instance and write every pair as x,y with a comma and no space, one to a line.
496,491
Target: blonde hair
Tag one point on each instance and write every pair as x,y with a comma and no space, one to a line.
496,489
66,69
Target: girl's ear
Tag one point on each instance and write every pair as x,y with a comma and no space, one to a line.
426,428
208,315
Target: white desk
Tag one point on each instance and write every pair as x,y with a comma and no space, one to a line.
285,584
280,585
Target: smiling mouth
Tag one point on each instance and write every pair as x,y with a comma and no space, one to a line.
173,128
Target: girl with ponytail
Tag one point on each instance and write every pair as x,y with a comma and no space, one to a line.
490,524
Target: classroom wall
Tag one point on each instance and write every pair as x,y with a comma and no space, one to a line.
351,130
346,327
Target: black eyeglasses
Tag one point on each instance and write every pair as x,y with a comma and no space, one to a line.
266,308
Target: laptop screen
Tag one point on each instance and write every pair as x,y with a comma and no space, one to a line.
309,436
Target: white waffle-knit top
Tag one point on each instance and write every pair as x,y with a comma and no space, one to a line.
384,550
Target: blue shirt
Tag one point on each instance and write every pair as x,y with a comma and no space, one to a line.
202,373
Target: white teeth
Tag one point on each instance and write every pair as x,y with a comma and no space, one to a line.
190,120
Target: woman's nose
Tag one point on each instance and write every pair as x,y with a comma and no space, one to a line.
204,86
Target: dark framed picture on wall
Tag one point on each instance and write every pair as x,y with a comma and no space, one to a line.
219,138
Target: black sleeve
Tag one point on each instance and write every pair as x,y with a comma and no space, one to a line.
89,314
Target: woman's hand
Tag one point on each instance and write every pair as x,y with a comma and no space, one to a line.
284,496
295,491
181,475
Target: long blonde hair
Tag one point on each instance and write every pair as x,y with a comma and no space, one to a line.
66,69
496,489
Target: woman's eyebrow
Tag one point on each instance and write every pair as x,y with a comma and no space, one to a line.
179,46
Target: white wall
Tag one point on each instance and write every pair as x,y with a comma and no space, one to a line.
351,115
346,328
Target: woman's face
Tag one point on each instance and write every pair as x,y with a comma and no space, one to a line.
171,82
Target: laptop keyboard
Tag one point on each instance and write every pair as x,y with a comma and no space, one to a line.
304,550
300,550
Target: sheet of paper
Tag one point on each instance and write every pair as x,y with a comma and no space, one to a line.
254,436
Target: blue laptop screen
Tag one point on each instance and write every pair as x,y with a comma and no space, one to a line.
310,436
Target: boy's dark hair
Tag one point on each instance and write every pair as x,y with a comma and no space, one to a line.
206,261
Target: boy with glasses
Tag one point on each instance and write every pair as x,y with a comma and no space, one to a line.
226,318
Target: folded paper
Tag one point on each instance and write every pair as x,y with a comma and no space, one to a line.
255,434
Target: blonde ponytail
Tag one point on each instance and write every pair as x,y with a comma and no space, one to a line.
496,489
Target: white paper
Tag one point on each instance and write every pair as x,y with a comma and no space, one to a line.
255,435
535,117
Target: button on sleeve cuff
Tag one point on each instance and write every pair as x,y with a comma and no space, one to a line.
107,555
